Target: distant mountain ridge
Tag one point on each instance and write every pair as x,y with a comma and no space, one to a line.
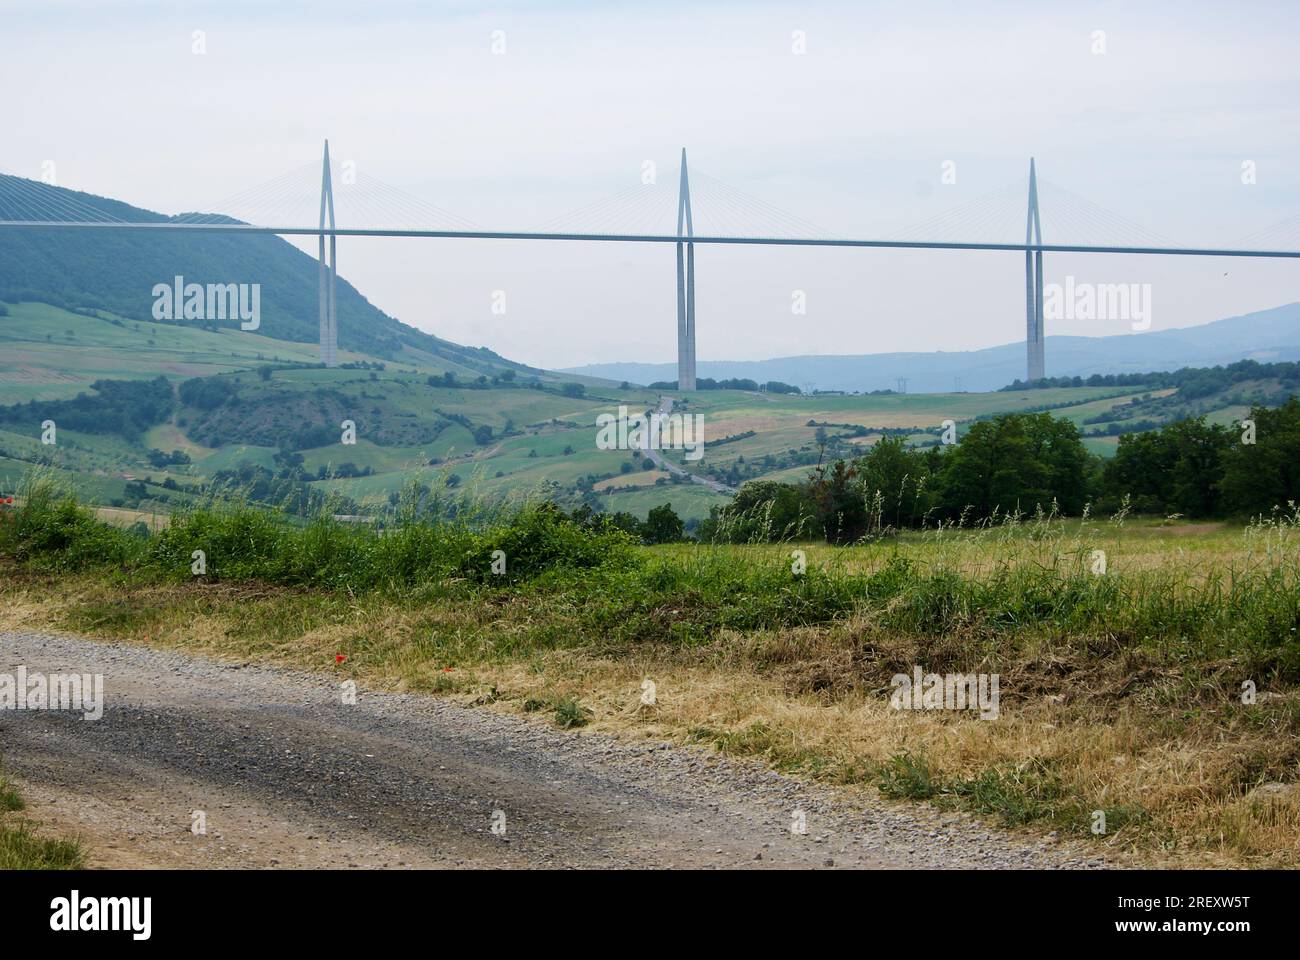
1266,335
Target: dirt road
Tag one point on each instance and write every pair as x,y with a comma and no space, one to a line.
287,775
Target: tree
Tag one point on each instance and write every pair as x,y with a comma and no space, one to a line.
1056,441
662,525
1265,474
762,511
593,519
841,511
1016,462
1176,469
897,477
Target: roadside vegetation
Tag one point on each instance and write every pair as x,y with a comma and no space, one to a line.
21,848
1123,683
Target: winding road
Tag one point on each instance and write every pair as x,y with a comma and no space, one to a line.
663,463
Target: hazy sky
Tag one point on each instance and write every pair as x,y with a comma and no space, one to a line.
852,134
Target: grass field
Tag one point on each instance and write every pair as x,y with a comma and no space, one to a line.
1160,688
48,353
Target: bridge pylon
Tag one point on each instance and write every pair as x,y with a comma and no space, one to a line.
1034,284
329,326
685,285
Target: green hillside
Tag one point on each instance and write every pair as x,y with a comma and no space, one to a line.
49,352
127,444
115,271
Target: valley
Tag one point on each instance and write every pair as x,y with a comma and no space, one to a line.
246,402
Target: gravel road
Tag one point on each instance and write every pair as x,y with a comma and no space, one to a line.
286,775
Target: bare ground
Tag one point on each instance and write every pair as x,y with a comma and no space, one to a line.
288,775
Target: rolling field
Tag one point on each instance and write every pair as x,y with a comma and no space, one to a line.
505,437
47,353
536,440
1160,692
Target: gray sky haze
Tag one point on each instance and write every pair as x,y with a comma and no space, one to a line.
512,114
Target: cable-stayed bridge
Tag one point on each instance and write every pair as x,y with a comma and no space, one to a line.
697,209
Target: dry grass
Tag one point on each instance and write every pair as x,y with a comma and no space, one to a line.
637,478
120,517
1168,752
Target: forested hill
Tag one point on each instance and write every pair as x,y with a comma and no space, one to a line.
115,270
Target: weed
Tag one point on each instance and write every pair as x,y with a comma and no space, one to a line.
570,713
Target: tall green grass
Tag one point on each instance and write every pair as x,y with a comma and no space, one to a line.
239,542
599,587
